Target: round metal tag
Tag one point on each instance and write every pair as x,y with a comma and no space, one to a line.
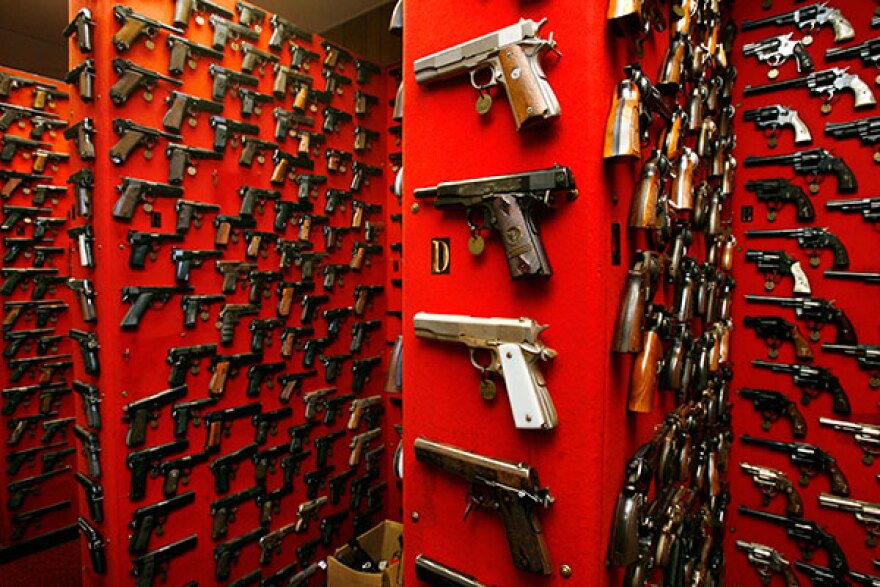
148,154
148,208
200,20
150,44
261,159
769,285
772,142
192,63
773,73
771,216
815,261
258,110
773,353
826,108
234,45
205,316
21,124
814,336
877,157
192,122
765,425
148,96
154,255
191,171
484,103
487,389
807,40
476,244
814,188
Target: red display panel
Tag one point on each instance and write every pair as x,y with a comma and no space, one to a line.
855,299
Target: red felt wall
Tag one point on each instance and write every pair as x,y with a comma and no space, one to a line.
582,460
858,301
133,362
61,560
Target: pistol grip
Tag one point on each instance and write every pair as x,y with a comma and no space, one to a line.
530,96
643,381
529,400
846,179
525,253
174,117
130,31
524,535
804,62
123,88
126,204
622,138
843,29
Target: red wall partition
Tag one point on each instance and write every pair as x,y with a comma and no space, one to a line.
133,361
59,560
582,460
857,300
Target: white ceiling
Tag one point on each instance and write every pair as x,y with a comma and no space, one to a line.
320,15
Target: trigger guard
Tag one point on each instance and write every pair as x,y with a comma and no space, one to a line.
493,365
492,77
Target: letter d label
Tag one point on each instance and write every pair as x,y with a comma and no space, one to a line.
440,256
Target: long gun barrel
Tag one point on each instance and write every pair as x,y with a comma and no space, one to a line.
436,573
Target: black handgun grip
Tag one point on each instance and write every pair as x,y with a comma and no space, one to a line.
846,332
139,470
798,423
138,307
805,210
137,431
846,179
222,476
839,484
841,258
138,257
141,535
804,61
227,329
841,404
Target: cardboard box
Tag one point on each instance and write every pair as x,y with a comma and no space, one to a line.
381,543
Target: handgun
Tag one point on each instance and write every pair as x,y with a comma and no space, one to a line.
134,25
132,77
